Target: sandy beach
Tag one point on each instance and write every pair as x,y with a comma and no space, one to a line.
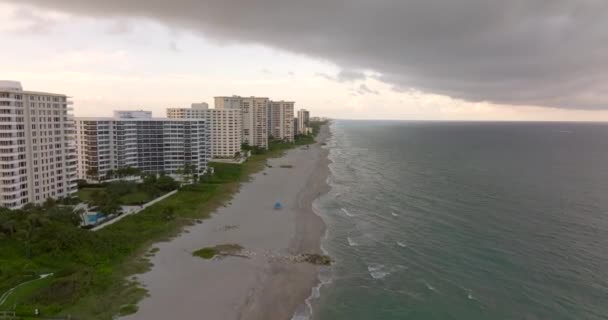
263,286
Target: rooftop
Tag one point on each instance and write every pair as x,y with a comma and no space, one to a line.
10,85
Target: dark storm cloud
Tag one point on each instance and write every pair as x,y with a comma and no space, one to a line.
542,52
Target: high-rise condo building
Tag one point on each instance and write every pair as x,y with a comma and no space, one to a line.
303,121
226,127
135,139
280,120
37,151
254,113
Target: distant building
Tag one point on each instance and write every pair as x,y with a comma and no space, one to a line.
280,120
233,102
37,151
153,145
254,111
132,114
226,127
296,126
303,121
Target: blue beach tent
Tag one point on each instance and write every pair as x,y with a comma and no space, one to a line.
278,205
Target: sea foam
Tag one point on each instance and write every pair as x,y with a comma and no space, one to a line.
377,271
351,242
429,286
347,213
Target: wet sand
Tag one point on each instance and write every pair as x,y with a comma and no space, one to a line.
181,286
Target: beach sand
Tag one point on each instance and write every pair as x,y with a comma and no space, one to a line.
181,286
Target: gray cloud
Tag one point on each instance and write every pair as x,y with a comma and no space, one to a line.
325,76
345,75
120,27
350,75
542,52
34,22
363,89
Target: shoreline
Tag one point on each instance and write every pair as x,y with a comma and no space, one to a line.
181,286
301,279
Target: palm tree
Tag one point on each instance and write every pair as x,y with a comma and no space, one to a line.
186,172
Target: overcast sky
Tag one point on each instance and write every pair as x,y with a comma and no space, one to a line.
372,59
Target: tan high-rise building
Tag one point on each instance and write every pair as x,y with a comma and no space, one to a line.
226,127
254,111
37,149
280,120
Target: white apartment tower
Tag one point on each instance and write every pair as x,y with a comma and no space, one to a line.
280,120
303,121
37,152
254,113
139,141
226,127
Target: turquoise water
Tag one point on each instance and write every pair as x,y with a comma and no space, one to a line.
430,220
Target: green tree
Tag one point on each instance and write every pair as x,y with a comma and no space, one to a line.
119,188
166,184
105,202
27,232
8,222
127,172
187,173
65,215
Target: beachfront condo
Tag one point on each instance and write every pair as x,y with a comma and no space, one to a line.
254,111
303,121
37,152
226,127
137,140
280,120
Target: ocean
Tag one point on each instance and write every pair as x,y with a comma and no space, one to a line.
458,220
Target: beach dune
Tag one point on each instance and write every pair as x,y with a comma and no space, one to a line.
262,286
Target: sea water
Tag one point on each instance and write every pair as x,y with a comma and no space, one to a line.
439,220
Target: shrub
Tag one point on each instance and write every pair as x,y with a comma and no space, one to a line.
205,253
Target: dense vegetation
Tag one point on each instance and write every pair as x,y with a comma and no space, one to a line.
108,197
93,272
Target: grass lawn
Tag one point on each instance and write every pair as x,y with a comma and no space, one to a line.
84,194
132,198
135,198
22,293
